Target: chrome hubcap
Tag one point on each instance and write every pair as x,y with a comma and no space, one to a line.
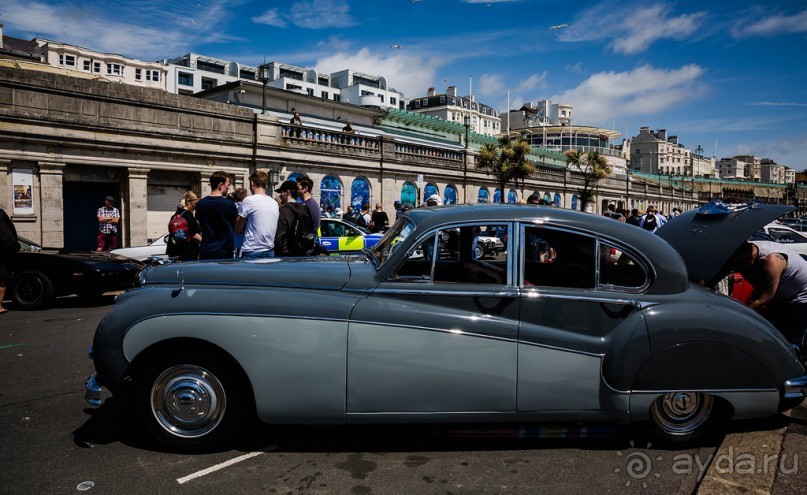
188,401
681,413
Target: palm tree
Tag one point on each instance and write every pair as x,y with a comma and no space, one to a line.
593,166
506,161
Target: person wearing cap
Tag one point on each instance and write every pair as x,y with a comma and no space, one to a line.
108,219
289,210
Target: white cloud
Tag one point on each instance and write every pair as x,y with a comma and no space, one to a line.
270,18
313,14
535,81
143,30
631,28
491,84
772,26
410,74
645,90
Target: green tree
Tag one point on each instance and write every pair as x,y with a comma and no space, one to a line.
506,162
593,166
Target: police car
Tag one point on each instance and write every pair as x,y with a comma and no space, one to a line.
340,237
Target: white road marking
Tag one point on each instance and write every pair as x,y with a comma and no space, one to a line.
212,469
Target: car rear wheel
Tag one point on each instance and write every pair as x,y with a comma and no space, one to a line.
191,402
680,417
32,289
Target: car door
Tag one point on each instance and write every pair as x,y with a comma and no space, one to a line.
438,335
581,325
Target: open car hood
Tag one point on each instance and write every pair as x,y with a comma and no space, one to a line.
707,237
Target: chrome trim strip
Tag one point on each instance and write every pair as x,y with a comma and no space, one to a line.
706,390
796,387
563,349
437,292
540,293
436,330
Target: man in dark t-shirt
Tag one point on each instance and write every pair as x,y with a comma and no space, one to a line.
216,216
379,219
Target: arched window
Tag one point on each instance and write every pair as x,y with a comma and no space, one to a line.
574,202
409,194
330,193
557,200
450,195
359,193
497,196
483,196
428,190
512,196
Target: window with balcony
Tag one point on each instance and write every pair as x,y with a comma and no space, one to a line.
185,79
208,83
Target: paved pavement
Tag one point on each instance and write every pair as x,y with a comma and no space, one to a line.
763,458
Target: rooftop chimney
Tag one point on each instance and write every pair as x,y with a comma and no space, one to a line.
452,91
431,92
662,134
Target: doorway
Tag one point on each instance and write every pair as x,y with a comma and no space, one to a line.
81,203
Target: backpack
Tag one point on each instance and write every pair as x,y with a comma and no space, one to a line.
302,238
178,231
361,222
650,222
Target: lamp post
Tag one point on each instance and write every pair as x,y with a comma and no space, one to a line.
274,177
467,130
263,76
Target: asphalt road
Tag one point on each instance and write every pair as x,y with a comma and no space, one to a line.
53,442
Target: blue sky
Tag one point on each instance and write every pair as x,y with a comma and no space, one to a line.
728,76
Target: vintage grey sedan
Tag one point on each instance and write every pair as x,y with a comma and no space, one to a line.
580,318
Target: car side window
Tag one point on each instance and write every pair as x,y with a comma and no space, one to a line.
469,254
326,228
619,269
557,258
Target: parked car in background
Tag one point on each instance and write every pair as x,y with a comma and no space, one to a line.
799,224
786,235
408,331
40,274
155,248
340,237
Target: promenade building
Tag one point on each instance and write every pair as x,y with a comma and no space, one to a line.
551,127
464,110
12,48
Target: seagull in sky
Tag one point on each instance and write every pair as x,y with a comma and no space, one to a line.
558,26
396,46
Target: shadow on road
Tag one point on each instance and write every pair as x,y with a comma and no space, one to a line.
114,422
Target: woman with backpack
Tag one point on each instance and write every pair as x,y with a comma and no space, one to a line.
184,233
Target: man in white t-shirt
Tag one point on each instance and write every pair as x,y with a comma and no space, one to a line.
258,219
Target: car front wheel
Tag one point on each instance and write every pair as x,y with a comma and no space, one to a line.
680,417
479,250
190,403
32,289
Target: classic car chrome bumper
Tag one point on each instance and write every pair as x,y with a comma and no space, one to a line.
92,391
796,388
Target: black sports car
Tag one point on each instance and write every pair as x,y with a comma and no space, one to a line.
42,274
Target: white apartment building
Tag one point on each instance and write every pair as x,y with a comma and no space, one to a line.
657,153
192,73
479,117
732,168
110,66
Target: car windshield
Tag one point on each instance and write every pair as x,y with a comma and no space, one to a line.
382,251
786,236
